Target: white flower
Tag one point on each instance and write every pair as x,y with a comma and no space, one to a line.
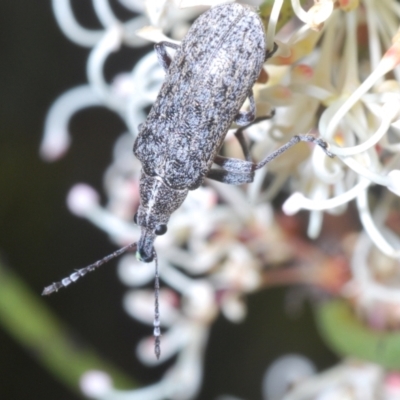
328,77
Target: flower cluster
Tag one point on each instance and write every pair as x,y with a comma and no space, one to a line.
336,74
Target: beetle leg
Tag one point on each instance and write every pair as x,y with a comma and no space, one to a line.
236,171
294,140
244,118
232,178
162,55
240,137
270,53
234,165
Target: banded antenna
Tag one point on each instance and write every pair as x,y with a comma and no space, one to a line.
79,273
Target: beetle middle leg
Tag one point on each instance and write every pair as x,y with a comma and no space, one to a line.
231,178
236,172
294,140
240,137
233,171
162,55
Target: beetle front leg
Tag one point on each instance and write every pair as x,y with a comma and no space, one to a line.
162,55
243,118
246,117
270,53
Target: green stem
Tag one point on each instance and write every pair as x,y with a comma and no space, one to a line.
26,318
348,336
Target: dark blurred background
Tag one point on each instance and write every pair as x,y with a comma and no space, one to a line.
41,241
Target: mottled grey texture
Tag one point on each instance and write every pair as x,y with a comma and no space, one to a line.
207,82
157,203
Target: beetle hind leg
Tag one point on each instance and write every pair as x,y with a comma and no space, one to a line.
240,137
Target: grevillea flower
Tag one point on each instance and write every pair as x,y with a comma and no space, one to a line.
336,74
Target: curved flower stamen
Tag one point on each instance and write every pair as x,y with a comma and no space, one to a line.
299,11
372,230
121,231
147,78
388,62
71,28
105,13
56,138
110,43
273,21
297,201
390,111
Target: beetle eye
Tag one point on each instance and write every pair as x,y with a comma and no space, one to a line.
135,219
160,229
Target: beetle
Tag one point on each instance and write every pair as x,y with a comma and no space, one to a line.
207,82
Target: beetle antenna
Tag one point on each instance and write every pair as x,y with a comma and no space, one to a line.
54,287
156,323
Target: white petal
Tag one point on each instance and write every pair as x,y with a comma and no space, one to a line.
95,383
133,272
56,138
82,198
140,305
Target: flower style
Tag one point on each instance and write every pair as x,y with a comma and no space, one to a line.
336,74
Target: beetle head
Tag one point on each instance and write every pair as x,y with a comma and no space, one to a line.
157,203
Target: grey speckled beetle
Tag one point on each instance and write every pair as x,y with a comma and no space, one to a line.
208,80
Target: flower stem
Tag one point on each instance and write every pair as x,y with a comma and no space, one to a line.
27,319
